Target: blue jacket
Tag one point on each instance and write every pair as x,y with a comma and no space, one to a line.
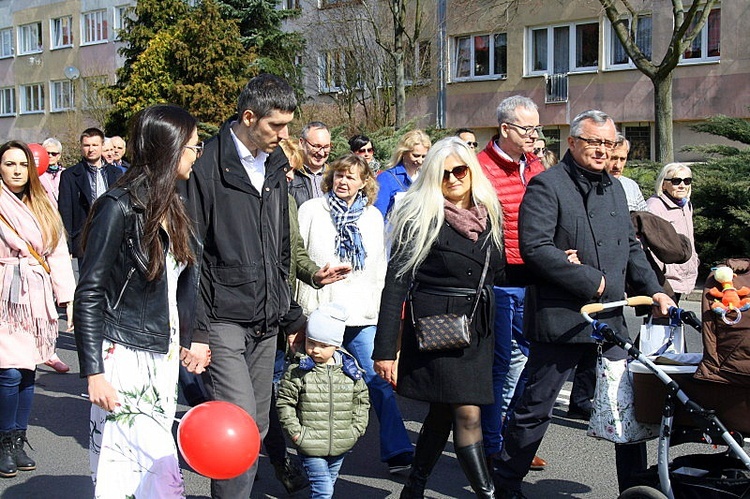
391,182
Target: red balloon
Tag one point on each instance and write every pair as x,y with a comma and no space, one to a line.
41,158
218,439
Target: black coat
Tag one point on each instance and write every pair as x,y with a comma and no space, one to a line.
245,233
113,299
456,376
557,215
74,201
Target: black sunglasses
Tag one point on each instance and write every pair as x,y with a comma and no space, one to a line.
473,145
677,181
459,172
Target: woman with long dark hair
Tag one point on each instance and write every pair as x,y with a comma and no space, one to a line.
36,274
136,300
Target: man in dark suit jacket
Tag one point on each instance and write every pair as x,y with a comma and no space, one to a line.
576,236
81,184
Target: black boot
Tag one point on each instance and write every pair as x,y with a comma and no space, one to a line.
430,445
474,465
23,462
8,467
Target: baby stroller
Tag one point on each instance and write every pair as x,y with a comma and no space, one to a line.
721,475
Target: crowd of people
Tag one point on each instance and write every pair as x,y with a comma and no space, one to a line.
256,269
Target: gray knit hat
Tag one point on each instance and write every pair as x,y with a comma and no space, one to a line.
327,323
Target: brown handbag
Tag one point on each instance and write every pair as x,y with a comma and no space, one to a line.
447,331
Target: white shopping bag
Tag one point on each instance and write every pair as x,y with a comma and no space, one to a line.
656,339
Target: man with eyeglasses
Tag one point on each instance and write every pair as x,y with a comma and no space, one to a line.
577,238
118,153
617,160
509,164
238,195
315,142
468,136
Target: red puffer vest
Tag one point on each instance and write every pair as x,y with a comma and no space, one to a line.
505,177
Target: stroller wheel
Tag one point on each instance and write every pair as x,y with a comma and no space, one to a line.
642,492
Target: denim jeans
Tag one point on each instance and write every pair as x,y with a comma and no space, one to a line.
511,353
16,395
394,440
322,473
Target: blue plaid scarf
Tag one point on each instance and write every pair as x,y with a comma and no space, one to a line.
349,246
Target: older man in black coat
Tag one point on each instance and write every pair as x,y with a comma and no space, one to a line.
576,236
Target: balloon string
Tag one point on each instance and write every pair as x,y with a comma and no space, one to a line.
86,396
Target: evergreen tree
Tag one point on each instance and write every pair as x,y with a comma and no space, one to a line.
189,57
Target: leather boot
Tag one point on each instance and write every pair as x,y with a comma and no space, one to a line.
474,465
430,445
8,467
23,462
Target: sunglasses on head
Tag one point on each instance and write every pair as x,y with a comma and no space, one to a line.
459,172
677,181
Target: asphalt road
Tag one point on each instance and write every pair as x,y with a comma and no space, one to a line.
579,466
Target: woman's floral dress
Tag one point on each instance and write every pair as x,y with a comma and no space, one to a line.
132,451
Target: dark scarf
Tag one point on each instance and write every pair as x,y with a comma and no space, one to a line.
349,246
679,202
469,223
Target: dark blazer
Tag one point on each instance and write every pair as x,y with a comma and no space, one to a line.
113,299
556,215
300,188
74,202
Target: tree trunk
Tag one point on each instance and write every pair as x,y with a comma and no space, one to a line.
663,117
399,32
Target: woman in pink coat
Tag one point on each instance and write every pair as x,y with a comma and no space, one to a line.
36,274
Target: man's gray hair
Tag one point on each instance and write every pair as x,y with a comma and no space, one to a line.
52,142
313,125
622,141
598,117
506,110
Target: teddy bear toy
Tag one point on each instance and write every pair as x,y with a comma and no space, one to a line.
729,300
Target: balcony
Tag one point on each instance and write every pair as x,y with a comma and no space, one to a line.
556,88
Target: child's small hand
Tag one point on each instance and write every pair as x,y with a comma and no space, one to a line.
296,437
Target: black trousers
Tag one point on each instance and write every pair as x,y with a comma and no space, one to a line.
549,367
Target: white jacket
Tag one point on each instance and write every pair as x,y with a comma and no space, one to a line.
360,291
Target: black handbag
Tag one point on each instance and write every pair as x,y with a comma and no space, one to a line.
447,331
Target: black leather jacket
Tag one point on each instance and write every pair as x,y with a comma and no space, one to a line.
113,299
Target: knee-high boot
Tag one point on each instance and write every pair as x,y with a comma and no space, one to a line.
430,445
474,465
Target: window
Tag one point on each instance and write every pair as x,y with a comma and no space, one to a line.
123,13
30,38
480,57
7,101
418,64
61,31
640,142
6,43
338,71
61,95
289,4
32,98
90,86
707,45
617,55
565,48
327,4
94,27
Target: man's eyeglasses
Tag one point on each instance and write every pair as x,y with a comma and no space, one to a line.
525,131
53,153
594,143
473,145
317,147
365,150
459,172
198,148
677,181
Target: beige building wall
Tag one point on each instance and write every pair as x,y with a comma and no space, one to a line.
95,63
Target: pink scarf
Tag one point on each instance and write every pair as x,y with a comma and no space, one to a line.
26,300
469,223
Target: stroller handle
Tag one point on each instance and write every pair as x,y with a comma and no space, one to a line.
634,301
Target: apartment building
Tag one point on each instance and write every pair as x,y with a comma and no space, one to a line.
562,54
54,55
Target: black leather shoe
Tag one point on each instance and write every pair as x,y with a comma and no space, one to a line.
23,461
8,467
501,493
292,475
575,412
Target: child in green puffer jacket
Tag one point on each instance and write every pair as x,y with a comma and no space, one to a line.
322,400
